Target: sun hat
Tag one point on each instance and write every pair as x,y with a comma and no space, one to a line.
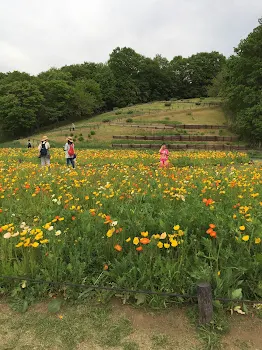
44,138
70,139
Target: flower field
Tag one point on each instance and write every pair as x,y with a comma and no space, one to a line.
119,220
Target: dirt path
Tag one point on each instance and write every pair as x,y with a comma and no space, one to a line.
116,327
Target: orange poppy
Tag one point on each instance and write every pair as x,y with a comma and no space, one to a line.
213,234
73,218
118,247
107,219
209,231
212,225
144,240
139,249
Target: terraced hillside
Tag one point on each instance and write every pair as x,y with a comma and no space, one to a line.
153,121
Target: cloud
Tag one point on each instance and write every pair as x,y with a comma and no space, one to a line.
37,35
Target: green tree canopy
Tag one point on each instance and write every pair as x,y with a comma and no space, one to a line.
242,87
20,103
77,91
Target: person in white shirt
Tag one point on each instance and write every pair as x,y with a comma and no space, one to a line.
69,149
44,153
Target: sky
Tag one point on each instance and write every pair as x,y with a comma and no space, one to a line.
36,35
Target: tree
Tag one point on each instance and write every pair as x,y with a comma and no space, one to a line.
126,64
242,87
57,94
180,78
20,102
202,69
85,99
215,89
153,80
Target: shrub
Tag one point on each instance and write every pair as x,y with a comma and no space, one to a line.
81,139
130,105
168,104
115,108
92,132
105,120
198,103
118,112
189,113
130,112
129,120
167,118
71,134
89,136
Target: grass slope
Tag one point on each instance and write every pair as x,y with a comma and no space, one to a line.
95,132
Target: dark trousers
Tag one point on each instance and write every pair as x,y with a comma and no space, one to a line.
70,160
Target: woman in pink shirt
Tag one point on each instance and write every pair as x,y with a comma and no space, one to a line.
163,156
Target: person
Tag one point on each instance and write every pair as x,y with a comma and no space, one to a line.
29,145
164,153
70,152
73,126
43,149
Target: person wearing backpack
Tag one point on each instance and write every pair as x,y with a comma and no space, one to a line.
70,152
43,149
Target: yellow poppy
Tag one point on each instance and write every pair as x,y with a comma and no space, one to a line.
160,245
136,241
110,232
245,238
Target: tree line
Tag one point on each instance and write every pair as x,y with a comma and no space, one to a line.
240,85
74,92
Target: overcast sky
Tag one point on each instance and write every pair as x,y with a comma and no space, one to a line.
38,34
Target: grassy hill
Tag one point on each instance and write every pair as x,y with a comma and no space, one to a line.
98,131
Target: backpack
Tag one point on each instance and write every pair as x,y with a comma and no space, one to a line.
71,150
43,151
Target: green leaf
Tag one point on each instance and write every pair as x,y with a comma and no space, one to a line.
54,305
24,306
237,294
140,299
258,258
245,309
